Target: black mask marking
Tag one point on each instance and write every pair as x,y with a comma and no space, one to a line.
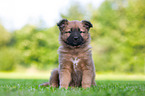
75,38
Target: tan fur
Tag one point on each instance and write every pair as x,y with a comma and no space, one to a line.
76,67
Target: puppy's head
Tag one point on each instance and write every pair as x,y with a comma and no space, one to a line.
74,33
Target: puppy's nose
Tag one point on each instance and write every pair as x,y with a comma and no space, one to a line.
75,38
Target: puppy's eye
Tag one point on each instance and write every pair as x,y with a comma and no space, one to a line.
82,31
68,32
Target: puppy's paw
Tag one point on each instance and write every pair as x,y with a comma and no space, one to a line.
63,86
86,85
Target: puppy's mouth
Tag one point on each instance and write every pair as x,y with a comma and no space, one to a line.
75,41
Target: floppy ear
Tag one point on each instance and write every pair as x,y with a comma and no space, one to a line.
61,24
87,24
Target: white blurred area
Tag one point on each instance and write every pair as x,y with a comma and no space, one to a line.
14,14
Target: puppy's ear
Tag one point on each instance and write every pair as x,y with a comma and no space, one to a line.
87,24
62,23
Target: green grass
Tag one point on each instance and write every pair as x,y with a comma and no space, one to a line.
29,87
46,75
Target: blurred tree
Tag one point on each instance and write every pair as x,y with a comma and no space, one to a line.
9,59
5,36
120,36
38,46
8,56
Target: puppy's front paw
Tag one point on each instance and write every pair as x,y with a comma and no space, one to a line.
63,86
86,85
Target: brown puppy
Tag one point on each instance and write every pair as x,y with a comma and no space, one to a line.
76,67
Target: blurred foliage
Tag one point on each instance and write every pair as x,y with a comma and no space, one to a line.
37,46
9,59
119,36
118,39
5,37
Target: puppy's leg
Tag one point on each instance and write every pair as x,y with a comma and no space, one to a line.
87,78
54,78
65,78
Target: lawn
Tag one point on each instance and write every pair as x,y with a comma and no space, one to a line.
29,87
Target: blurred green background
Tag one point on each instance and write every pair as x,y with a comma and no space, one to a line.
118,39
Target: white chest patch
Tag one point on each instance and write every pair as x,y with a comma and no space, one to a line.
75,62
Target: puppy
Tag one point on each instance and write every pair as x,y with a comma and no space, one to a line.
76,67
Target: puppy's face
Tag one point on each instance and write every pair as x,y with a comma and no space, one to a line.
74,33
